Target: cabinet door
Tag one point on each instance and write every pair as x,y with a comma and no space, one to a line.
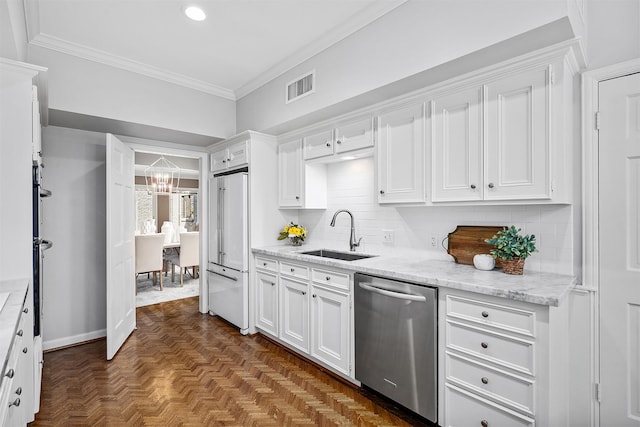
218,160
294,313
401,156
330,328
290,174
267,303
354,136
517,145
456,146
238,154
318,145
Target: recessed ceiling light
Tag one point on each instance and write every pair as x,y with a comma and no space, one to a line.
195,13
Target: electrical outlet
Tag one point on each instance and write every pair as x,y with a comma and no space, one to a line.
434,241
387,236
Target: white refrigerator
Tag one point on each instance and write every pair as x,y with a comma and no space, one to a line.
228,268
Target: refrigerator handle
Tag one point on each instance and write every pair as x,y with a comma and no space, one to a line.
220,221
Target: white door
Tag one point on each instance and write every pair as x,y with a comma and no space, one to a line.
290,174
354,136
456,146
619,249
330,327
121,286
401,156
517,144
294,320
267,302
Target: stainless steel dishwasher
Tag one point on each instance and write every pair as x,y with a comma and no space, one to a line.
396,339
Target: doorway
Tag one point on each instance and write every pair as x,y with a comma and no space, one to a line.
173,213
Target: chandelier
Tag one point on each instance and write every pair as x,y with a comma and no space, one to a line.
162,176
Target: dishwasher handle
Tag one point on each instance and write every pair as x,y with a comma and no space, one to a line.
392,294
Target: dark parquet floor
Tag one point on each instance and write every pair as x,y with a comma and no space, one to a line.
184,368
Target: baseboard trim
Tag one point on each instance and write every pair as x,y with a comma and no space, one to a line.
72,341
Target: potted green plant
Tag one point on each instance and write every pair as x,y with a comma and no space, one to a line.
512,248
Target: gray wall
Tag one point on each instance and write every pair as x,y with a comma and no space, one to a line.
74,219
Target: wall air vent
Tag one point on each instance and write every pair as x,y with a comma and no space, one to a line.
302,86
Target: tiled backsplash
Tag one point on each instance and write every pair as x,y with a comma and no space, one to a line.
351,186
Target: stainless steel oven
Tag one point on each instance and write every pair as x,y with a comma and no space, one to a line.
396,341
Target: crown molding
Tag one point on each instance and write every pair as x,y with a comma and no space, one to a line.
53,43
363,19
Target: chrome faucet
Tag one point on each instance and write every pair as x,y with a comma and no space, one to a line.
353,244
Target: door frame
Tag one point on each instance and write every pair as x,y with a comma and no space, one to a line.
202,154
590,200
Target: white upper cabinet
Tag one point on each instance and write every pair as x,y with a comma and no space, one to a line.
229,157
492,142
354,136
457,146
347,137
517,146
290,178
401,174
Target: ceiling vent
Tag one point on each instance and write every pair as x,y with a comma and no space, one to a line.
300,87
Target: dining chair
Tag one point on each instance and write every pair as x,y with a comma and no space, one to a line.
189,255
149,257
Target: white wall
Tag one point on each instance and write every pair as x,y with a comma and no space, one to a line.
80,86
414,37
74,219
350,185
613,31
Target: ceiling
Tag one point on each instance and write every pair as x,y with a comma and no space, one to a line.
239,47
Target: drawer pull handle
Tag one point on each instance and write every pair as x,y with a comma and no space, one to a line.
484,345
485,380
25,350
19,391
485,314
484,423
10,373
15,402
20,333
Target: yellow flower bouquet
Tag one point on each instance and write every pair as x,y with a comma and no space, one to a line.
296,233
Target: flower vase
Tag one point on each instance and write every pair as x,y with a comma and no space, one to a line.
168,231
295,240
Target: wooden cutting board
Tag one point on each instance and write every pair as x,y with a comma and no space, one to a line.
468,240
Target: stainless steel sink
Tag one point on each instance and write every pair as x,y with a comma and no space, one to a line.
344,256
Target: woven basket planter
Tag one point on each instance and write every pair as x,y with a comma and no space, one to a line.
513,266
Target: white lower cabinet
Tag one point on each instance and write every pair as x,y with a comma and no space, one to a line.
294,313
330,319
502,361
308,309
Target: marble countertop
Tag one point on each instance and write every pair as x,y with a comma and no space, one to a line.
10,315
533,287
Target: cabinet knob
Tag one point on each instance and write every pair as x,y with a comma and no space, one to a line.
484,423
19,391
25,350
484,345
26,310
224,161
20,333
473,186
328,278
273,284
15,402
381,191
10,373
485,314
228,160
338,142
328,144
314,295
297,197
491,185
484,380
304,293
264,264
293,269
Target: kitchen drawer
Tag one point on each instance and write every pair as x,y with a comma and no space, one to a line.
514,353
498,316
507,389
464,409
331,278
294,270
267,264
